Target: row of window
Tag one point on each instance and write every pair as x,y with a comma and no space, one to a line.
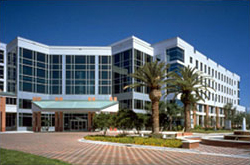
201,108
213,72
138,104
11,70
10,101
219,87
220,99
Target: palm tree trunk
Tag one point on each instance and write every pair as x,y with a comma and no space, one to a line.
155,116
187,116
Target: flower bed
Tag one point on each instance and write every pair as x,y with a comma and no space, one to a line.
174,143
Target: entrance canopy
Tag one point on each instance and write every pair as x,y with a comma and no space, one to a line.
74,106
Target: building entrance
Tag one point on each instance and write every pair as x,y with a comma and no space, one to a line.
75,121
78,125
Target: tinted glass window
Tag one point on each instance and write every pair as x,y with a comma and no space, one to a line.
175,54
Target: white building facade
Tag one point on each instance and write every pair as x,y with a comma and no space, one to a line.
30,69
226,84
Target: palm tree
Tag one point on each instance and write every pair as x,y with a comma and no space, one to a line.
151,75
191,85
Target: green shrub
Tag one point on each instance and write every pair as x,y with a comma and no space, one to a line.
179,128
174,143
159,136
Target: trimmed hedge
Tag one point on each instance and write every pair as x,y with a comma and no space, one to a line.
174,143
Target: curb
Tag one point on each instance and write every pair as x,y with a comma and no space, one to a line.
162,148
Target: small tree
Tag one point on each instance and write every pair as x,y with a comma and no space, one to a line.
238,118
125,119
173,111
102,121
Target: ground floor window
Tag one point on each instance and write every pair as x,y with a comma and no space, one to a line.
25,120
10,121
75,121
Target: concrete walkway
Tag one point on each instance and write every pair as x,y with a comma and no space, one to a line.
66,147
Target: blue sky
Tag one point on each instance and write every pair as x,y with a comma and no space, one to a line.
218,29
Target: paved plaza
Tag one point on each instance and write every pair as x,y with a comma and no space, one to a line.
66,147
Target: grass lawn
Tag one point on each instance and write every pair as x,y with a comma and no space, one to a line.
211,131
174,143
11,157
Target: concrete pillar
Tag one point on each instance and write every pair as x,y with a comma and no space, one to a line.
34,121
207,116
89,121
38,121
197,120
217,118
3,114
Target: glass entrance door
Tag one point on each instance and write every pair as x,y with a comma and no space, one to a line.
78,125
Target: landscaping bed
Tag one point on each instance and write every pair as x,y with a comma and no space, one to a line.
174,143
11,157
210,131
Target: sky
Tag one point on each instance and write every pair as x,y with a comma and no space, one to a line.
218,29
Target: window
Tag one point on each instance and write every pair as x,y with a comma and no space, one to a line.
10,101
1,72
191,60
25,119
1,56
196,64
24,104
175,66
138,104
208,70
1,85
175,53
27,54
205,68
201,67
219,75
215,74
212,72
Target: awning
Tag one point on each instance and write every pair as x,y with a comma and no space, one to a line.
75,106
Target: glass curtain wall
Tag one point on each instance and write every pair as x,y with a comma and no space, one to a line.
104,75
12,64
80,74
140,58
55,74
122,67
33,74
